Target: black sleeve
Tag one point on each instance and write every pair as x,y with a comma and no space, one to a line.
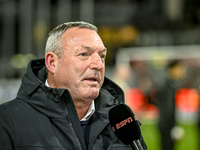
6,130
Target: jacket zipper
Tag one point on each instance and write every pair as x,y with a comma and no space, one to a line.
72,129
97,133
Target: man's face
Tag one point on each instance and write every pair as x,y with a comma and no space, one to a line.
82,65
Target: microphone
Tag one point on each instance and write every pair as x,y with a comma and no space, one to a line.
125,126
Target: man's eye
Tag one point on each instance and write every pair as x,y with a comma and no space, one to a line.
103,56
83,54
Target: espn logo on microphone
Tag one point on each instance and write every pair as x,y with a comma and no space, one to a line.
123,123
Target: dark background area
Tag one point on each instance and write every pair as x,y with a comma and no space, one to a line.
24,26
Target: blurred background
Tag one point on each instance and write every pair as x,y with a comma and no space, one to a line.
142,37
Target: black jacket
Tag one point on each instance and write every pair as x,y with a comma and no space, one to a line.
43,118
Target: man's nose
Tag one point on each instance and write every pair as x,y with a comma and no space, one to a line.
96,62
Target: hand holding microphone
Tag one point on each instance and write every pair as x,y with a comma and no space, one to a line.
125,126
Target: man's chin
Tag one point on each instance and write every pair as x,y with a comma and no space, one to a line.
92,94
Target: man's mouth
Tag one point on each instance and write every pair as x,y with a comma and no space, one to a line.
92,79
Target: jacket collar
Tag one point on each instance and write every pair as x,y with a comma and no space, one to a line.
34,76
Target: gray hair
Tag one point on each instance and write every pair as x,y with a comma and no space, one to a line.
53,43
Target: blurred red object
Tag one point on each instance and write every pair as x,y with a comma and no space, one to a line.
187,100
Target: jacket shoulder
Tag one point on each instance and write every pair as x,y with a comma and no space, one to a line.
13,109
7,125
10,104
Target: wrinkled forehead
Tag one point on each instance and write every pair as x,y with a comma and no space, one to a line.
79,36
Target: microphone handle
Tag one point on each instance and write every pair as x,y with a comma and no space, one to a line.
136,145
140,145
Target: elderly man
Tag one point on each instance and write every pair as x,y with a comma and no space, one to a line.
64,99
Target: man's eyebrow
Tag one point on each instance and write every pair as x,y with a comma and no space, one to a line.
90,48
104,50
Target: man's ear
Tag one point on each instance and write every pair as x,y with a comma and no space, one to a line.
51,61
